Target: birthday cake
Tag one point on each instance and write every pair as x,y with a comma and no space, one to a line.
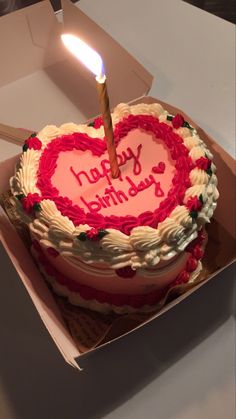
117,244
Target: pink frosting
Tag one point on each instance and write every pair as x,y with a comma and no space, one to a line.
195,252
146,168
160,180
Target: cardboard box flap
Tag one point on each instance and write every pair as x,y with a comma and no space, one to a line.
127,78
26,37
37,290
31,277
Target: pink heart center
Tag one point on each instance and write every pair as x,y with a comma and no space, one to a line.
86,179
74,172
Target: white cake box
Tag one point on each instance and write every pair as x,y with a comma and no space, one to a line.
40,83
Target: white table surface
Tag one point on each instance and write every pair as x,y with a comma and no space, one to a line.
182,365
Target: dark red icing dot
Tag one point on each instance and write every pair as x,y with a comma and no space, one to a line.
183,277
194,203
178,121
93,234
197,252
202,236
126,272
191,264
29,201
52,252
203,163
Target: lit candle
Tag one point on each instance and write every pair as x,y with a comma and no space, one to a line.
92,60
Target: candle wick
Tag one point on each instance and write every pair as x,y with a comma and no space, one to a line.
101,78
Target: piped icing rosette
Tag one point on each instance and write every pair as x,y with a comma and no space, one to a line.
165,195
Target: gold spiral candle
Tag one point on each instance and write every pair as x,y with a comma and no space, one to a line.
107,121
92,60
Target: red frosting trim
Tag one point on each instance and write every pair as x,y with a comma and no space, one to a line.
135,301
97,146
29,201
33,143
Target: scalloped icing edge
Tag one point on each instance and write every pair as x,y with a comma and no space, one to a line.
172,235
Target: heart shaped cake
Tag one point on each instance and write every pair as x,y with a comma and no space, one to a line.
117,244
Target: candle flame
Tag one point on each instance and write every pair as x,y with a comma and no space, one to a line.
84,53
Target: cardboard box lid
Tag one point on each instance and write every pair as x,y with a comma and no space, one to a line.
30,41
25,35
127,78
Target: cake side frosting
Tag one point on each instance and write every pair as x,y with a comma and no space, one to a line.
139,246
130,300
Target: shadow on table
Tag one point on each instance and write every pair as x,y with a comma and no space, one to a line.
37,382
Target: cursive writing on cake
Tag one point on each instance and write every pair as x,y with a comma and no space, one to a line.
95,174
111,195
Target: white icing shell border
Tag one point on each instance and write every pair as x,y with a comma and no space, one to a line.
145,247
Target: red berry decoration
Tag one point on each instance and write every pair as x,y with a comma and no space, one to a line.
33,143
183,277
203,163
201,236
31,202
93,234
191,264
194,203
178,121
198,252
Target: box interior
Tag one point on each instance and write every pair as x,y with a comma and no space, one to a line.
39,72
